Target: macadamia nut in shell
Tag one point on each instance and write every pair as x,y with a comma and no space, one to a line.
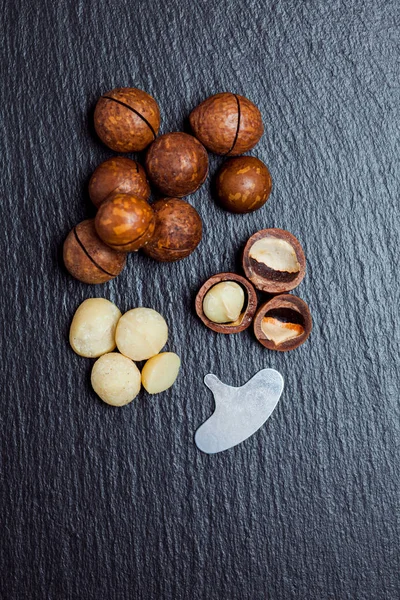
115,379
224,302
93,326
141,333
160,372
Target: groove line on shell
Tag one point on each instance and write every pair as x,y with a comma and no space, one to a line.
90,257
134,111
237,128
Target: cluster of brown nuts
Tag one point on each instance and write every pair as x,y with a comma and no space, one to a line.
273,262
176,164
98,327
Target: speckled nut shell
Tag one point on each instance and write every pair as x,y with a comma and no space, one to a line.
227,124
250,303
118,174
293,313
286,264
178,230
243,184
127,119
88,258
177,164
125,222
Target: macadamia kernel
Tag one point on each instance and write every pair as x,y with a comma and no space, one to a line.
92,331
223,303
141,333
280,332
276,254
116,379
160,372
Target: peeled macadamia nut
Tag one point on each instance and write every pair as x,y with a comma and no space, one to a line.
116,379
224,302
160,372
280,332
276,254
141,333
92,331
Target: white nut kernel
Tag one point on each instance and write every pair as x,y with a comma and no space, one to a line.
276,254
160,372
280,332
116,379
223,303
141,333
92,331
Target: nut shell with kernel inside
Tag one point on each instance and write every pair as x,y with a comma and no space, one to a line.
274,261
283,323
178,230
227,124
88,258
124,222
127,119
177,164
118,174
243,184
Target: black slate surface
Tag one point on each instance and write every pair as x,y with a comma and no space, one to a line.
100,503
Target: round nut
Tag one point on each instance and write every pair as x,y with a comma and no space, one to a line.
160,372
243,184
227,124
178,230
246,315
116,379
127,119
141,333
118,174
177,164
92,331
274,261
283,323
88,258
124,222
224,302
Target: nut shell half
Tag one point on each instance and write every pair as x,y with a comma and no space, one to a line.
227,124
118,174
286,265
293,313
177,164
178,230
249,311
88,258
124,222
127,119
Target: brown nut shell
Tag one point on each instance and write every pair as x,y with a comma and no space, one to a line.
288,316
227,124
245,318
243,184
178,230
88,258
127,119
118,174
286,265
177,164
124,222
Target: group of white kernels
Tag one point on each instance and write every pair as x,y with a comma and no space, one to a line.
98,327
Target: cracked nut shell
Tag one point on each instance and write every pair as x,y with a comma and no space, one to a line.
127,119
118,174
283,323
243,184
227,124
274,261
88,258
178,230
177,164
124,222
250,306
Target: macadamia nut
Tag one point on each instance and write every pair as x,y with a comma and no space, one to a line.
160,372
116,379
92,331
141,333
276,254
224,302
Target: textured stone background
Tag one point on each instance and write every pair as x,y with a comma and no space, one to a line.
98,503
